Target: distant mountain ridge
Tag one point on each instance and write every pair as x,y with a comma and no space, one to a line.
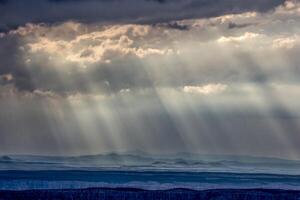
144,161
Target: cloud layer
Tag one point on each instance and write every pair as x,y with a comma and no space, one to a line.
18,12
75,57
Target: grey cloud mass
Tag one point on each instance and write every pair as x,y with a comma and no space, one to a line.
19,12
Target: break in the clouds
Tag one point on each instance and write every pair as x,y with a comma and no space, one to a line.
216,77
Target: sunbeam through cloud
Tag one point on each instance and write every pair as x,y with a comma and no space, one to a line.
197,86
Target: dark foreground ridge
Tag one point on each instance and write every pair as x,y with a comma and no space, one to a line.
138,194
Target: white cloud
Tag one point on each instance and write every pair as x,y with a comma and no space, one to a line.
291,7
101,45
244,37
206,89
285,42
227,18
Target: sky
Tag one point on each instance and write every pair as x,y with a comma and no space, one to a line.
159,76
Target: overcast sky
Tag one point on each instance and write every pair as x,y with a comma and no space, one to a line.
161,76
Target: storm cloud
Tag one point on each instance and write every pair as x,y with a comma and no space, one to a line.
17,12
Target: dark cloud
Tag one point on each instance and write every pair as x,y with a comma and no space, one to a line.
174,25
232,25
12,63
221,6
18,12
